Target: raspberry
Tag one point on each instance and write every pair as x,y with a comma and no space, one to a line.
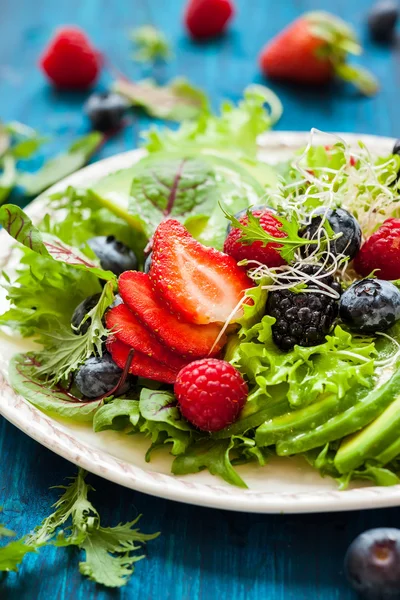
266,254
70,61
211,393
303,318
208,18
381,251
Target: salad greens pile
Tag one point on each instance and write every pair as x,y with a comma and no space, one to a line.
110,552
306,401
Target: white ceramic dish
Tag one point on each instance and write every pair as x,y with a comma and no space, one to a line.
284,485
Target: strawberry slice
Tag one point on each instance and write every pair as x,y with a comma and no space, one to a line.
142,365
187,339
128,329
198,283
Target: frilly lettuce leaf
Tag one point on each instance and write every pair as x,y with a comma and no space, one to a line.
334,366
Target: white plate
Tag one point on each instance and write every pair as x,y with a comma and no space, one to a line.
284,485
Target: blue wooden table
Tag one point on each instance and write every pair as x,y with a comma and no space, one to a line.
202,554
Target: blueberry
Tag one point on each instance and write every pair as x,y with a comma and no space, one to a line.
242,212
98,376
372,564
105,110
382,20
80,311
370,305
396,147
147,262
341,221
114,255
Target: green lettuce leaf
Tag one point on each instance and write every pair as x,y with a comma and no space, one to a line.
118,414
151,44
13,554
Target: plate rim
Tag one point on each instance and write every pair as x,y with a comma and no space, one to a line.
54,436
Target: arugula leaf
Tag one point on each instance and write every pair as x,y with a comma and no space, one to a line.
62,165
13,554
213,455
151,44
20,227
117,415
64,351
109,551
177,101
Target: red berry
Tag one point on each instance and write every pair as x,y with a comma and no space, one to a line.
70,61
179,336
211,393
198,283
208,18
381,251
268,254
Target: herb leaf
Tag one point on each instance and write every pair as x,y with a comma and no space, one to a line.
151,44
177,101
62,165
117,415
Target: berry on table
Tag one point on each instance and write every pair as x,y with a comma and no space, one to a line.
370,305
372,564
267,254
105,110
70,61
381,252
382,20
208,18
81,311
341,221
99,375
210,393
113,255
303,318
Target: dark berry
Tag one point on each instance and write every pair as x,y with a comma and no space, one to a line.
396,147
147,263
303,318
382,20
370,305
98,376
372,564
79,313
113,255
105,110
243,212
341,221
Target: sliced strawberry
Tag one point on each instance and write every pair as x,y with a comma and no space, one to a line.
142,365
128,329
184,338
198,283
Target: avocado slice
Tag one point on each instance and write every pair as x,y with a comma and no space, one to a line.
371,441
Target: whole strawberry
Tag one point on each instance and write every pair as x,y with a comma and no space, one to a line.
267,254
70,61
211,393
208,18
312,50
381,252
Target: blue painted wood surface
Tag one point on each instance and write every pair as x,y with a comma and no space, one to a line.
202,554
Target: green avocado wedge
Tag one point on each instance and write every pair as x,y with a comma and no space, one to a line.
358,416
372,441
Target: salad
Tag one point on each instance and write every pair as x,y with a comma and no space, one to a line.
227,309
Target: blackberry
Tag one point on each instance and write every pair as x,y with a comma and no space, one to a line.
303,318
